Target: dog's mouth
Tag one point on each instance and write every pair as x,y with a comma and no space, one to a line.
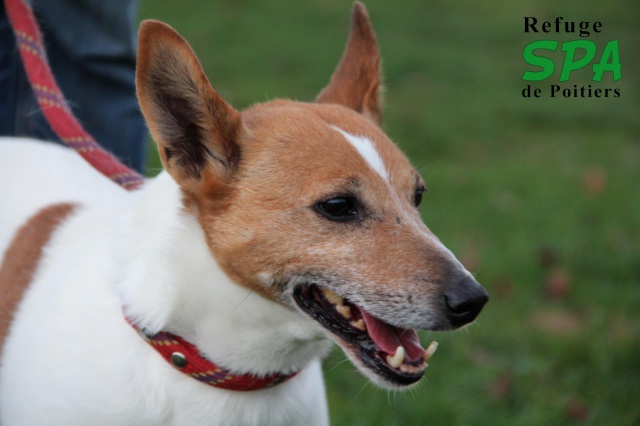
392,353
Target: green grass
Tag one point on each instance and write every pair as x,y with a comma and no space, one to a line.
525,191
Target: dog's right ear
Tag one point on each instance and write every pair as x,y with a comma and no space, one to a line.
356,82
197,132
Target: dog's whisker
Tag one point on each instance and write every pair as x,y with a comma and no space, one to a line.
426,167
338,364
249,293
364,386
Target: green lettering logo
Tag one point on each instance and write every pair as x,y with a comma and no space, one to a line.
610,52
546,64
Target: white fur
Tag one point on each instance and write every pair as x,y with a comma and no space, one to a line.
365,148
72,359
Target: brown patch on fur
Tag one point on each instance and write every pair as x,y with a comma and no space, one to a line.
356,82
21,260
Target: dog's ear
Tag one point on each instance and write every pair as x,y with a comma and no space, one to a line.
356,81
197,132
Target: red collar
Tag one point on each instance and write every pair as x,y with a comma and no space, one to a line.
186,358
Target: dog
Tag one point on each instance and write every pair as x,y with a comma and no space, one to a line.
270,234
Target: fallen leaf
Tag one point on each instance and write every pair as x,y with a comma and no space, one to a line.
594,180
558,283
558,322
501,386
576,409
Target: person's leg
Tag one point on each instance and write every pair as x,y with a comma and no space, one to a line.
91,48
20,114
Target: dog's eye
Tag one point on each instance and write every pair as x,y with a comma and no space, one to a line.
340,209
417,197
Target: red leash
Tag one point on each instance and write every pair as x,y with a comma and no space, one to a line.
53,103
178,352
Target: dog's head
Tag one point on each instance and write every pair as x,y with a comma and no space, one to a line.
310,205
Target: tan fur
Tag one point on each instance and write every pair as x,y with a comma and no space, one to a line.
356,82
263,170
287,236
21,260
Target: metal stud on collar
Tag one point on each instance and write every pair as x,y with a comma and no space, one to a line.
186,358
146,334
178,360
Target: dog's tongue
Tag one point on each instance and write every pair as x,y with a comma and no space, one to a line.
388,337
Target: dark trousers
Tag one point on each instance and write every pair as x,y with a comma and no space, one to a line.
91,46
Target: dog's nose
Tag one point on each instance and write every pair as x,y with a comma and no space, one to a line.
464,300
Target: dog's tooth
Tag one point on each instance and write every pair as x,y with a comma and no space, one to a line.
431,349
407,369
344,310
359,324
397,359
332,297
412,369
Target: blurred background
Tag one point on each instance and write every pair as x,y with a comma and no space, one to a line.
538,197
